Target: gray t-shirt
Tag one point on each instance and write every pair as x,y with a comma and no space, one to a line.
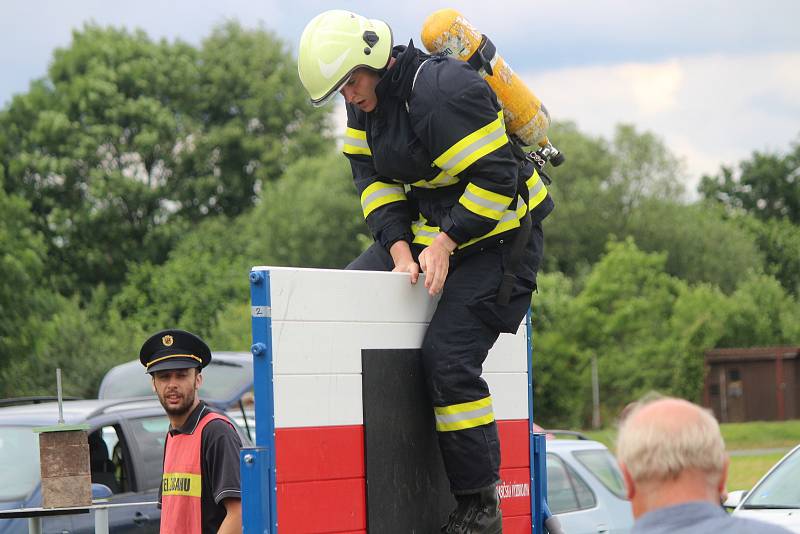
697,518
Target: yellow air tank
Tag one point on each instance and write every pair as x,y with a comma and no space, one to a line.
447,32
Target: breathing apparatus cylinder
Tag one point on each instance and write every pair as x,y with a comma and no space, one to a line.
447,32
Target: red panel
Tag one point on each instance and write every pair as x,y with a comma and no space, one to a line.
328,506
514,443
515,492
319,453
321,486
516,525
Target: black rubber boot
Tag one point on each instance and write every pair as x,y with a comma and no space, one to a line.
476,513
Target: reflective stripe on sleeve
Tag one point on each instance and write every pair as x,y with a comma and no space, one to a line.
424,234
379,194
442,180
473,147
536,190
464,415
355,142
484,202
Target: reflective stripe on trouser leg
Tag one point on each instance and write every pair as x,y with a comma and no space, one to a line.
455,346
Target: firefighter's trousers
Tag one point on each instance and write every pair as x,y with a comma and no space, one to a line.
465,325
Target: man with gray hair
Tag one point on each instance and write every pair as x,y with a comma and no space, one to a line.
675,467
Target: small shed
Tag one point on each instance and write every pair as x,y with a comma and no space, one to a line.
753,384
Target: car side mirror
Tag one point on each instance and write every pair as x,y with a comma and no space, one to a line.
100,491
734,499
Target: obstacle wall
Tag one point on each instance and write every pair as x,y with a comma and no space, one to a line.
354,446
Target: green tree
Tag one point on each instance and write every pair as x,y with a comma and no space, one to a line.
23,293
559,361
127,142
599,188
310,217
761,314
698,322
85,342
767,185
779,242
623,316
701,243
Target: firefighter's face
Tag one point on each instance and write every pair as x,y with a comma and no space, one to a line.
177,389
360,89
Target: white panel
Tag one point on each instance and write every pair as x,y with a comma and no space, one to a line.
509,394
322,348
347,296
318,400
509,354
330,400
321,321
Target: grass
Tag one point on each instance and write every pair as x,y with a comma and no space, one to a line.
738,436
761,435
744,471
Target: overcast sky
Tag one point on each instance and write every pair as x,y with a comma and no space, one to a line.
715,79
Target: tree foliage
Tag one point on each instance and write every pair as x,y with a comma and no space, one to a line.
600,188
23,295
701,243
648,329
127,142
310,217
767,185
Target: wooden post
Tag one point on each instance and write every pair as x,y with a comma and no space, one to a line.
65,470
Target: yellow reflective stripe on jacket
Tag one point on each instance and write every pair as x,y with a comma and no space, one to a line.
184,484
424,234
509,221
442,180
536,190
473,147
379,194
484,202
355,142
464,415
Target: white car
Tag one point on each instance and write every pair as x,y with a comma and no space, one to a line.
776,497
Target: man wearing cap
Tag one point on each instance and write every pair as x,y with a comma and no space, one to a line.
200,488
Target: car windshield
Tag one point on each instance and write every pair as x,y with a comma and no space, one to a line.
602,465
19,462
220,378
780,489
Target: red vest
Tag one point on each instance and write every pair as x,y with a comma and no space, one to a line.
181,483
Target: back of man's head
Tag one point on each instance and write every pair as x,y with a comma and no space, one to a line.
661,440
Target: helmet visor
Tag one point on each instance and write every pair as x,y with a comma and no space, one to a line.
319,102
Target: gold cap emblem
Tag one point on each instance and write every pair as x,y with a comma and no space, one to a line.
167,341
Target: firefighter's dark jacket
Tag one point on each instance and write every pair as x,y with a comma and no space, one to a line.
437,158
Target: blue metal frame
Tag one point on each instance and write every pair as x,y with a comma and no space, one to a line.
254,466
537,456
260,513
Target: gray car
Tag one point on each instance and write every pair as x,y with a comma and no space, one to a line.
126,442
585,489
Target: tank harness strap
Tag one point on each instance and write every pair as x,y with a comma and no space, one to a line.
482,58
514,261
414,81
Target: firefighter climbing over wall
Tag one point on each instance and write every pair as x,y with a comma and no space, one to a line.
447,193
